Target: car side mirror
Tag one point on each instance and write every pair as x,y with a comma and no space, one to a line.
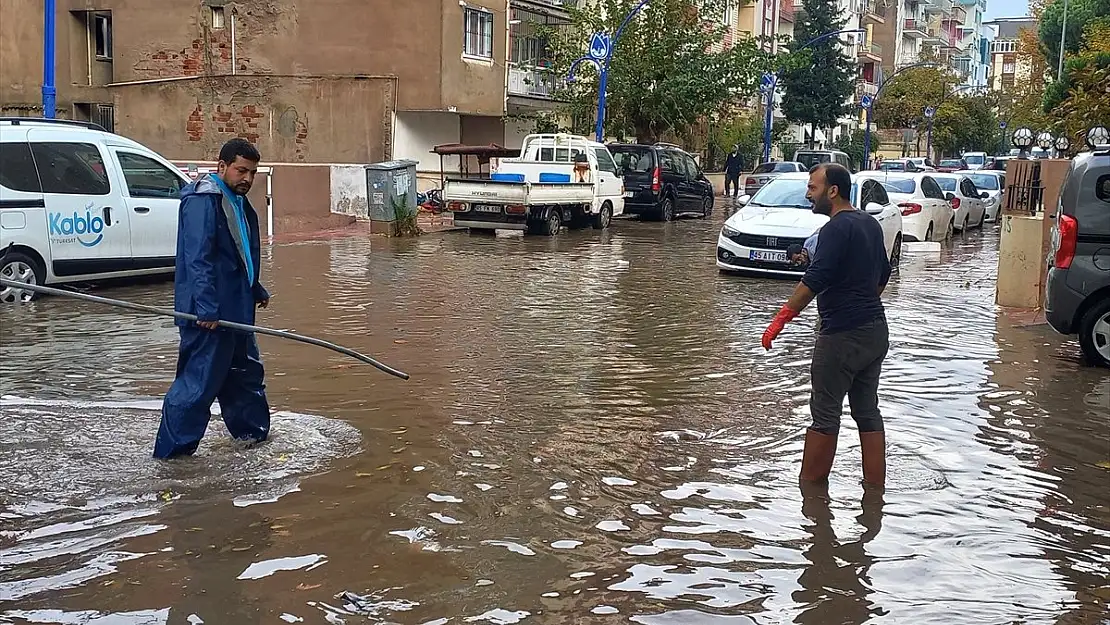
984,195
949,196
875,208
743,199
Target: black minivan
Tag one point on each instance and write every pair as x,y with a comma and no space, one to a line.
662,181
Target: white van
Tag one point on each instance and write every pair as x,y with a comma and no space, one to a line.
79,203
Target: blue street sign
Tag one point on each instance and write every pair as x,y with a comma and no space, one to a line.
929,111
866,101
765,82
1002,125
599,46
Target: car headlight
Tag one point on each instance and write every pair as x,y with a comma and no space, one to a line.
729,232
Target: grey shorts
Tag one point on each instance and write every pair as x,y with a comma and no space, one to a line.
848,364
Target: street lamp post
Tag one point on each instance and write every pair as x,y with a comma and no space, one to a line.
600,54
869,103
769,82
48,90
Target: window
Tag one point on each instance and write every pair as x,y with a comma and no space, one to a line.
102,35
667,163
634,159
605,161
692,169
968,188
901,185
217,18
478,36
1102,188
931,189
17,168
868,194
147,178
880,195
71,168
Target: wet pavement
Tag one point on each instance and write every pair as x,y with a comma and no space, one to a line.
592,434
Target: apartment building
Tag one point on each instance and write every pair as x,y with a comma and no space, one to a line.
308,80
946,31
1007,65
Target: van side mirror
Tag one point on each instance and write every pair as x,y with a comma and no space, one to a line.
875,208
984,195
949,196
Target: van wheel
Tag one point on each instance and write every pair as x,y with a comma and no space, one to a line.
666,211
19,267
602,219
706,207
1094,334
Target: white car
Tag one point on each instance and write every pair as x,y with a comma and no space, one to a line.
756,237
78,203
969,206
975,160
993,183
926,214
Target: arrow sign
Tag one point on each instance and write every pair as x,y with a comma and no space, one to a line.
600,45
765,82
1002,125
866,101
929,111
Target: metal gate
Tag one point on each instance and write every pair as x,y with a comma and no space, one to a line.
104,115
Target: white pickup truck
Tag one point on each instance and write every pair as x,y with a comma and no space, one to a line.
558,180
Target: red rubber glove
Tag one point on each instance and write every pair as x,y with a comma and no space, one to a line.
785,316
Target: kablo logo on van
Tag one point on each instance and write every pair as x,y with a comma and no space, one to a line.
84,229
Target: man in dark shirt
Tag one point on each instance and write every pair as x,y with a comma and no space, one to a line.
733,165
847,275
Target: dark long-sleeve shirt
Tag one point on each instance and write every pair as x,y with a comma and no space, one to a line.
733,165
848,271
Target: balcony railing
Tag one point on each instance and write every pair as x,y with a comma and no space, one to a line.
786,10
531,81
866,88
871,49
874,9
915,26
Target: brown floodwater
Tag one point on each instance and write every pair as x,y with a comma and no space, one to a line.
592,434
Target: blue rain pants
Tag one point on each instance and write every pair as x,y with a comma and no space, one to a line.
213,365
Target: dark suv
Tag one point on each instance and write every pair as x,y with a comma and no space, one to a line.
1077,295
662,181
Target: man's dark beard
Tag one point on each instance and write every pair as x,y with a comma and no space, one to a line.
822,206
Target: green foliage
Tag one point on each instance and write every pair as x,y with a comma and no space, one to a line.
816,91
670,68
852,145
903,101
1081,13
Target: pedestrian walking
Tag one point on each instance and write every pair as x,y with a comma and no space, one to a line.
733,167
217,279
847,274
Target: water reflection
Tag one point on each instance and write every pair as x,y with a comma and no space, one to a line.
592,434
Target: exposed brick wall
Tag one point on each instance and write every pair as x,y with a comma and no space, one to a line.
208,54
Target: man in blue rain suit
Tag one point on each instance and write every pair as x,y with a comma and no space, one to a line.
217,279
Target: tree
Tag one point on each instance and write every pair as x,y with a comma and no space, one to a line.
1081,14
746,131
903,101
670,68
852,145
817,92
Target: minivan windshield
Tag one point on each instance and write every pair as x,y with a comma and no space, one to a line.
783,192
630,158
985,182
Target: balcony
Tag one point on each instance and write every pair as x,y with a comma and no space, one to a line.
863,87
531,82
871,52
798,6
874,11
786,10
958,15
915,29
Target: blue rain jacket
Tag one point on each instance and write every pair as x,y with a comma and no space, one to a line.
211,278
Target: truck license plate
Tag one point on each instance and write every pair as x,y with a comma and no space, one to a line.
768,257
487,208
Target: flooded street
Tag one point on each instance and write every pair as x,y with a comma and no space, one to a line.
592,434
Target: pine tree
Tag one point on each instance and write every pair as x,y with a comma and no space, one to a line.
817,93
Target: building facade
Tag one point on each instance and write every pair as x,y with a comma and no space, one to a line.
1007,65
300,77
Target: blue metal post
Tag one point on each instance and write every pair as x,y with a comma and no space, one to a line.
767,119
48,90
867,137
603,85
929,140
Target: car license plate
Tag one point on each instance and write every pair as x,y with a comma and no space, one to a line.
768,257
487,208
629,193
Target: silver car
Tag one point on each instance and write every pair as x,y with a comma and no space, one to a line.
767,172
993,183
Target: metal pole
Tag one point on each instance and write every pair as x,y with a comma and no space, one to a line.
603,85
49,93
867,137
1063,36
929,139
767,119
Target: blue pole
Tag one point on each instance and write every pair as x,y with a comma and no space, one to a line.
929,140
48,91
603,84
867,138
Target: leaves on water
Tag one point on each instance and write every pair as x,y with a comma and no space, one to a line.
308,586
